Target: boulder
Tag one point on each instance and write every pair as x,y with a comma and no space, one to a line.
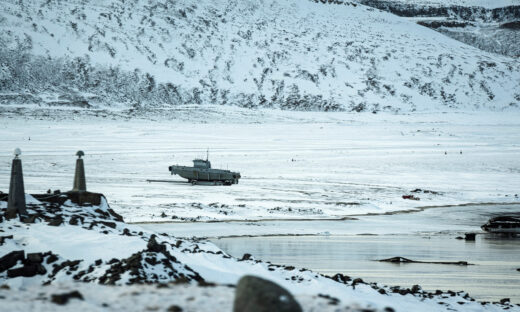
55,222
469,236
36,257
51,258
154,246
28,270
9,260
254,294
64,298
29,219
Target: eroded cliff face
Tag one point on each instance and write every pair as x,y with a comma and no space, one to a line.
488,28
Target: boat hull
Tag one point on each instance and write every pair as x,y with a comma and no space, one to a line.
193,174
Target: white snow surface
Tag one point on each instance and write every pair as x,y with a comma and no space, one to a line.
200,257
288,54
293,165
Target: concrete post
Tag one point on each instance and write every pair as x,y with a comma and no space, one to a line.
80,182
16,197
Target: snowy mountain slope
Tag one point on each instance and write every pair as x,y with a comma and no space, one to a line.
282,54
487,25
462,3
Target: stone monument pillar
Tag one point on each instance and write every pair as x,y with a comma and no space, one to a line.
16,197
80,182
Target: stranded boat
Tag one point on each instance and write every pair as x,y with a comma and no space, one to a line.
202,172
503,224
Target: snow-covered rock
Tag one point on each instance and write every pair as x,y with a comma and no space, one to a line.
95,250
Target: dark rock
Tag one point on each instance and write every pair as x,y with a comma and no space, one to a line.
3,238
469,236
28,270
98,262
332,300
36,257
51,258
150,260
116,216
505,300
126,232
415,289
246,256
382,291
64,298
341,278
74,220
389,309
9,260
357,281
55,222
174,308
72,265
154,246
396,260
109,224
29,219
254,294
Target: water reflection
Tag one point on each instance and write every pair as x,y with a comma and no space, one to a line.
493,276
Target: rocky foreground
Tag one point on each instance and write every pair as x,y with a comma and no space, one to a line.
86,257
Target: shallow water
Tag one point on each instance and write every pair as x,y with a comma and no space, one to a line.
429,235
493,276
351,246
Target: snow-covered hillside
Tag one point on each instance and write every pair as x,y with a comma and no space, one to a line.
290,54
488,25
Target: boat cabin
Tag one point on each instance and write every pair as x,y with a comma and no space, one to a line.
201,163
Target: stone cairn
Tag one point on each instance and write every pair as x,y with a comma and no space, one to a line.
16,196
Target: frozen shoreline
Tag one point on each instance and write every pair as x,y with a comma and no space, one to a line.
295,165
